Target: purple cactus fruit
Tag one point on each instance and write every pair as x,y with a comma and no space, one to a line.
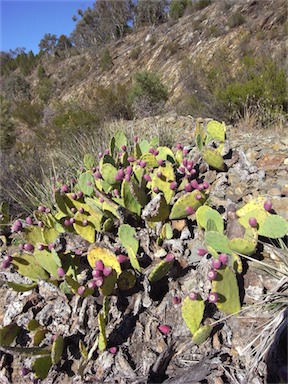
107,271
41,208
99,281
185,151
29,220
202,252
80,194
73,210
216,263
66,222
71,220
119,175
81,210
206,185
142,163
135,139
159,174
253,222
176,300
129,170
188,187
97,175
8,258
85,223
138,162
92,284
51,246
73,196
97,273
194,184
169,257
181,169
100,155
198,196
179,146
156,152
21,247
122,259
17,226
124,148
147,177
81,290
223,258
160,162
47,210
189,167
131,159
185,162
64,188
173,185
28,247
201,187
24,372
101,200
60,272
127,177
107,151
116,192
99,265
78,252
113,350
151,150
4,264
164,328
155,189
40,247
88,182
189,210
193,172
212,274
268,205
40,224
193,295
213,297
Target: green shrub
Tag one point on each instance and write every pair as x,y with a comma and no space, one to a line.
28,113
201,4
177,8
15,87
236,19
135,53
45,89
106,62
148,94
7,131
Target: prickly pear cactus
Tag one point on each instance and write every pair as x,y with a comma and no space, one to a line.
127,236
206,213
213,158
158,272
192,313
193,199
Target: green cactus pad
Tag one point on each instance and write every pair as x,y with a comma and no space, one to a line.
156,210
63,203
206,213
20,287
83,181
4,214
88,232
57,349
151,161
139,193
255,204
109,259
158,272
217,241
108,172
274,227
167,231
126,280
8,334
144,147
129,200
41,367
163,182
34,235
47,261
102,341
216,130
179,156
242,246
107,225
88,161
192,313
199,135
127,236
227,289
202,334
38,337
49,235
165,153
83,350
28,266
178,210
120,139
212,252
236,263
214,159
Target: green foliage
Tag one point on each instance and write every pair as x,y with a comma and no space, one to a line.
28,113
135,53
192,313
177,8
201,4
15,87
7,131
236,19
106,62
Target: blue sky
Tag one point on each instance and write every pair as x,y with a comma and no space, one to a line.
24,23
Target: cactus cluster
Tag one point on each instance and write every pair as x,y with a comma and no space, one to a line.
138,186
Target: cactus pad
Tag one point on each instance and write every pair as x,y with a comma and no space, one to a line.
57,349
216,130
178,210
227,289
27,266
109,259
47,261
127,236
214,159
202,334
102,341
192,313
160,271
206,213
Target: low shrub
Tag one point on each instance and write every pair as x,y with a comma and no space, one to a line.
135,53
106,62
236,19
28,113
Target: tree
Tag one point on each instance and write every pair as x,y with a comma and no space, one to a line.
48,43
151,12
63,45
